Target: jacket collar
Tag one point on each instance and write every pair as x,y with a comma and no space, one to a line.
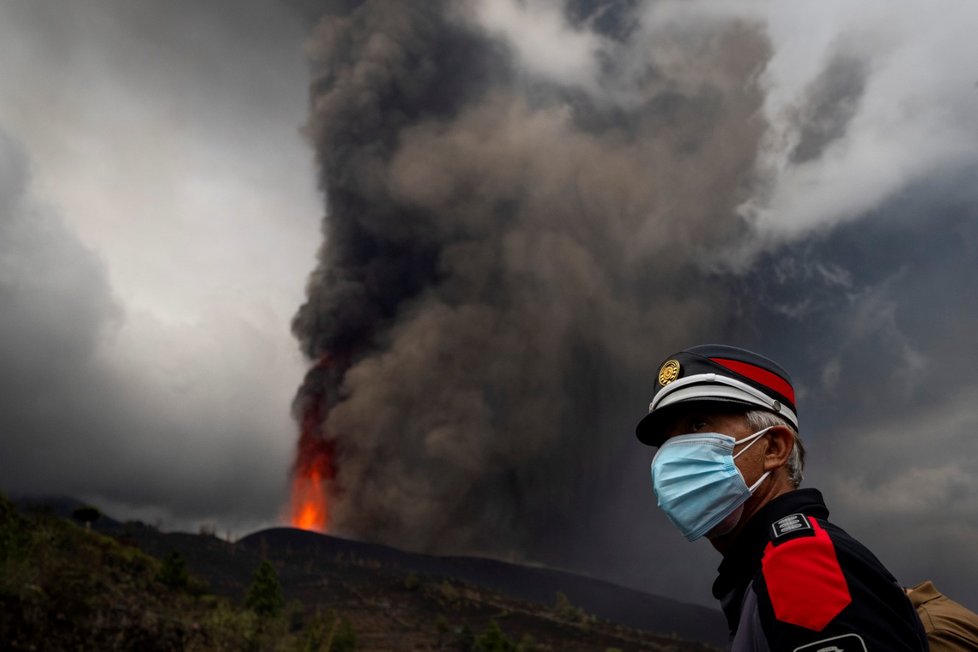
923,593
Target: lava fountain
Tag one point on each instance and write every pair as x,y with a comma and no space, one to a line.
313,470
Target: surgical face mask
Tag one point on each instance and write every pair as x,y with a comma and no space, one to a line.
699,486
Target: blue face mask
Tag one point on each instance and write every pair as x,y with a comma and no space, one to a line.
698,485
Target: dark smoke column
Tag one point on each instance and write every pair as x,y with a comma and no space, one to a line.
505,255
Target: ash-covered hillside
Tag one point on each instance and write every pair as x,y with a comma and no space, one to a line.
71,578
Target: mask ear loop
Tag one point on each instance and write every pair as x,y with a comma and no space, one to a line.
758,483
756,436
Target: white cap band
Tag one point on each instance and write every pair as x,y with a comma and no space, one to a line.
718,388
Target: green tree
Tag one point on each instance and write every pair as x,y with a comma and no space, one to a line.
264,596
493,640
173,572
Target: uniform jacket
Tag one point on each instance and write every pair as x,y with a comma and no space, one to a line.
793,582
950,626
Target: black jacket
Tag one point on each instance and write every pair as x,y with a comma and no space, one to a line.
795,582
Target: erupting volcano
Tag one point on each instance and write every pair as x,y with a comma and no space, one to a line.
501,243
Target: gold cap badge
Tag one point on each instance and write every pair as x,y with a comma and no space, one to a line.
668,372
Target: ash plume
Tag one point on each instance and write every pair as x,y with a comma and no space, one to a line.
506,254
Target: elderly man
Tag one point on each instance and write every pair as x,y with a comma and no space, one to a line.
728,468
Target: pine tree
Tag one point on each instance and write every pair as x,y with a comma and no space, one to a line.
265,593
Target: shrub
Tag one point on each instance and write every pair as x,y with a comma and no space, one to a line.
566,611
449,592
529,644
329,633
86,515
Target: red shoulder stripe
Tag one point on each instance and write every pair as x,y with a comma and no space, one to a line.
805,581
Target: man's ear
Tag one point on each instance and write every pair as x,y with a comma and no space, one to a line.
781,441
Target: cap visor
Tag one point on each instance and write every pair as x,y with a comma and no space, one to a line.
651,429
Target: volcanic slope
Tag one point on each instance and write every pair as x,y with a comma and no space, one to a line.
535,586
393,600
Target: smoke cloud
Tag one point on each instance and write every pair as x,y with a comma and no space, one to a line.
510,245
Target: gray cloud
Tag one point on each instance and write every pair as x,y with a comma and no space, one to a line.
56,306
72,420
157,204
830,104
47,275
897,86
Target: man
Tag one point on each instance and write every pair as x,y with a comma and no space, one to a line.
728,468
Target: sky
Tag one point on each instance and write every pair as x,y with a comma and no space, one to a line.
160,216
555,196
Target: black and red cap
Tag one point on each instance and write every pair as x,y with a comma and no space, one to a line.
717,373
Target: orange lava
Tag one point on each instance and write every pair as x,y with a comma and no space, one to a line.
313,471
309,504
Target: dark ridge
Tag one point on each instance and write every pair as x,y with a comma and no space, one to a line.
531,583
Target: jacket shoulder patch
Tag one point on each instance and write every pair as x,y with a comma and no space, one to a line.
791,525
804,579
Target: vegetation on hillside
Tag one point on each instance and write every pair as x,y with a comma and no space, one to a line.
66,586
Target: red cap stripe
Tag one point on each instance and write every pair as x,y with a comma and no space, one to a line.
759,375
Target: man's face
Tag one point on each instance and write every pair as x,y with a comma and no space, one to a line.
729,420
706,417
726,420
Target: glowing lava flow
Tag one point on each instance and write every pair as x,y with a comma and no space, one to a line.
309,502
313,469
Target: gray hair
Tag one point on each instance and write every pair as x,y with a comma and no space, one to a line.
761,419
